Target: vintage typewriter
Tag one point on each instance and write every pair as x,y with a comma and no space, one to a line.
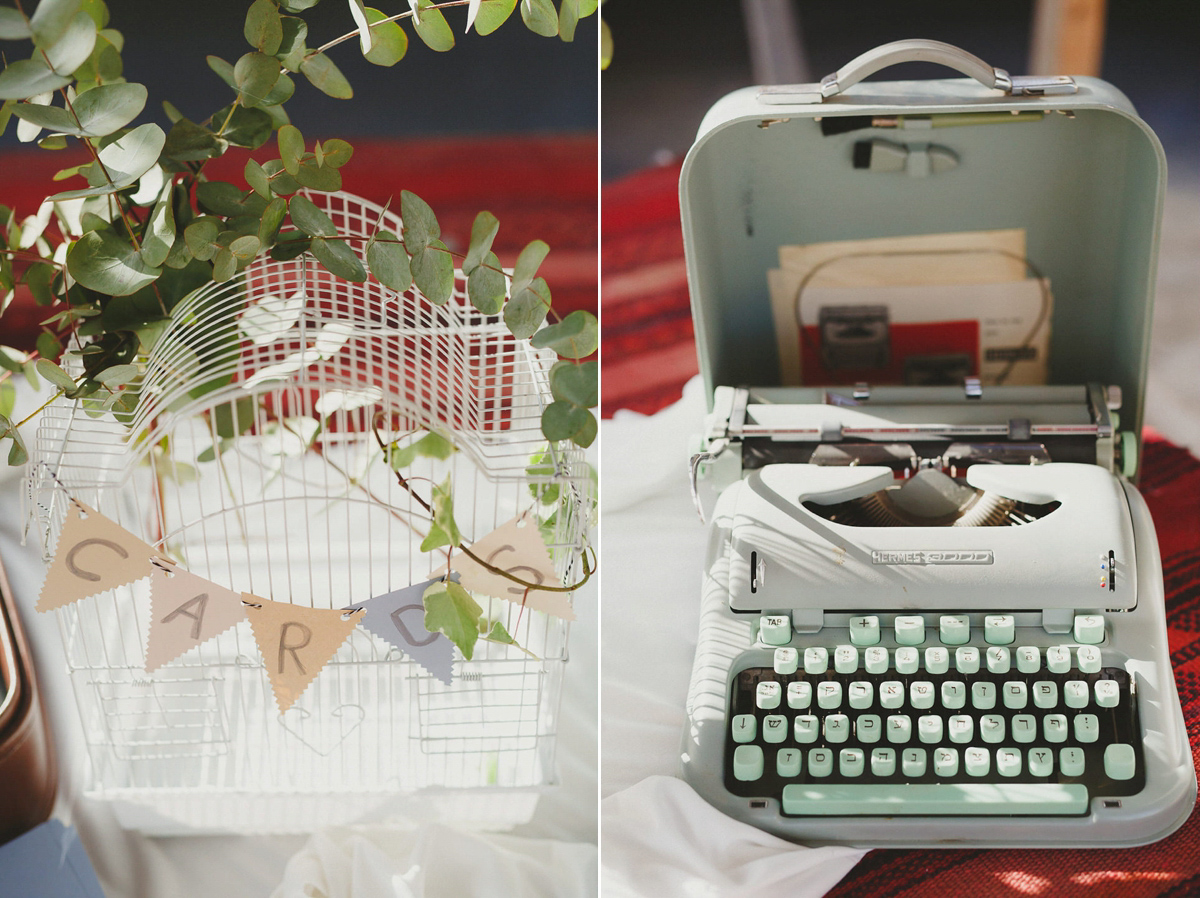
931,614
932,603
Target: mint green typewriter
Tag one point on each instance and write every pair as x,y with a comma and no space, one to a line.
932,611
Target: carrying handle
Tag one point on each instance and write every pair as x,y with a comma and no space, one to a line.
915,50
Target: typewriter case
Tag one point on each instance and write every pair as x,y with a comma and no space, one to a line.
1086,184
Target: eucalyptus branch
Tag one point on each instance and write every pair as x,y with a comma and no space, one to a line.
404,15
33,414
491,568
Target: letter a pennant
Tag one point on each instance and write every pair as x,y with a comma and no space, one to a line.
296,642
186,610
94,554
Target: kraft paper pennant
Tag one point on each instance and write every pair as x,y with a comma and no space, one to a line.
94,554
296,642
516,547
399,618
186,610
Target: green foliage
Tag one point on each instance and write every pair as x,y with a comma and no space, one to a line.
449,609
391,43
431,445
126,263
443,531
575,337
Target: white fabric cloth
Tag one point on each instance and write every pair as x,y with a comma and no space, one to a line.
659,838
433,861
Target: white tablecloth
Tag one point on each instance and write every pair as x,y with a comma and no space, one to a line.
659,839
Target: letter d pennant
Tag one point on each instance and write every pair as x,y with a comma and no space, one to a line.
296,642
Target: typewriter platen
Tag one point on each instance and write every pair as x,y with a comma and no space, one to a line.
932,616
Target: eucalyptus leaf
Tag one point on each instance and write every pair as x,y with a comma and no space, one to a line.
298,5
97,10
540,17
229,200
13,26
337,153
104,66
575,383
291,148
255,75
107,108
295,33
118,375
257,178
75,46
27,78
160,231
528,262
17,453
271,317
487,286
243,127
433,272
568,18
526,311
492,14
391,43
102,261
432,27
389,262
224,265
338,259
51,19
125,160
201,237
8,397
444,530
606,45
575,337
55,375
245,248
223,69
420,224
310,219
566,421
450,610
264,28
281,92
483,232
326,77
52,118
290,244
48,347
189,142
319,177
358,12
272,218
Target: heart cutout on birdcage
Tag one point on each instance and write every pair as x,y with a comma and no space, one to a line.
323,739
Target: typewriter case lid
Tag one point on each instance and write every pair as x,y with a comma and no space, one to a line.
1086,185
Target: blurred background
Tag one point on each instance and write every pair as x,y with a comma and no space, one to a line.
673,59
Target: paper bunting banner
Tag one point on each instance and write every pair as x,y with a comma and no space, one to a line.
296,642
94,554
516,547
399,618
186,610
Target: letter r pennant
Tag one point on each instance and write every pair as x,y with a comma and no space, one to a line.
296,642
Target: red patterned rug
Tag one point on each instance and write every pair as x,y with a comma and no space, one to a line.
649,353
538,187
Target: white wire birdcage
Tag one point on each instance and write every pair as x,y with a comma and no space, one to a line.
251,457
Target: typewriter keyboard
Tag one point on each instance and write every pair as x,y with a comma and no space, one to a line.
948,725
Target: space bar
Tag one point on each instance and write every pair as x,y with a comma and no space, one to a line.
923,799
